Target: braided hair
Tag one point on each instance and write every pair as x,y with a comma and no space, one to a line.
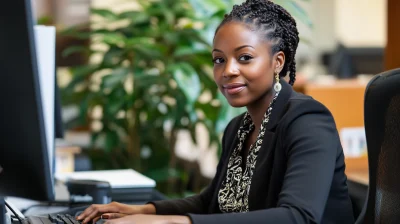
275,24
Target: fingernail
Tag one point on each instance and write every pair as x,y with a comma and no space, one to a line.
78,218
105,216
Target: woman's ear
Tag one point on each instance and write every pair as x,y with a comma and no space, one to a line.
279,58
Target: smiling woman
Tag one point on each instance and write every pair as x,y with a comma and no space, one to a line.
282,161
243,65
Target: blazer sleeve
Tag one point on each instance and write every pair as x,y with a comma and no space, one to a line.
197,204
312,142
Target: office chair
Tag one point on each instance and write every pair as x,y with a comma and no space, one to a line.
382,128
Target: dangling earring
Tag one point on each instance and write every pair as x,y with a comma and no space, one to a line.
277,86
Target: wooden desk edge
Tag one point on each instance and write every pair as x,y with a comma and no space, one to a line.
68,149
361,177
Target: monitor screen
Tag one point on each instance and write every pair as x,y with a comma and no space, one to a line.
348,62
24,153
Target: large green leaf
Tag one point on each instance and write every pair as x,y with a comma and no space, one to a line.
113,57
111,140
194,38
78,32
164,174
209,110
147,51
115,102
105,13
208,31
117,76
140,19
133,41
114,38
295,10
80,74
131,15
169,16
206,8
194,50
188,81
76,49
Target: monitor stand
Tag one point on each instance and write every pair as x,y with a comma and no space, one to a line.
2,211
2,207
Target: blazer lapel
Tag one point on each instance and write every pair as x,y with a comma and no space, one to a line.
279,108
263,168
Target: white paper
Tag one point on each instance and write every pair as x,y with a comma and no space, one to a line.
353,141
45,37
126,178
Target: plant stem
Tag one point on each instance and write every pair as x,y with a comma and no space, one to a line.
172,160
133,146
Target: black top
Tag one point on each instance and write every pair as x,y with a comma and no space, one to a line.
299,175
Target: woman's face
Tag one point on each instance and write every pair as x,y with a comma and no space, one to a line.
243,65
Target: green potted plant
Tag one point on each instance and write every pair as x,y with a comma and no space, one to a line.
151,74
152,78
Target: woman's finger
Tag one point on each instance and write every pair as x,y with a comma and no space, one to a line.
85,213
96,219
98,210
95,211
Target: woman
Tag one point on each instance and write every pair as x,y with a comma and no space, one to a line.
294,169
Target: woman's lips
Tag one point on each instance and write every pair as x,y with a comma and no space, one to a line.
234,88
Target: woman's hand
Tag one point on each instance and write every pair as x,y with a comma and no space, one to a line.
95,211
149,219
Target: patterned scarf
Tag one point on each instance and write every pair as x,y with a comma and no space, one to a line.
234,193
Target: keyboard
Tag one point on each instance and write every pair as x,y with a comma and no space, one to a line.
53,219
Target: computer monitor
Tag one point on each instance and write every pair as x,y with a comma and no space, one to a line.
24,155
58,122
348,62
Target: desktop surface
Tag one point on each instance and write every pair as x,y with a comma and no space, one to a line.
124,178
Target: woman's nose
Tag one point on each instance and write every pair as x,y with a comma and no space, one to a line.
231,69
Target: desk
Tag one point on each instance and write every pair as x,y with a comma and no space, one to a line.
345,100
357,170
128,186
361,177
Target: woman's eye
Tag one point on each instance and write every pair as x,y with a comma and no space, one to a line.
245,58
218,60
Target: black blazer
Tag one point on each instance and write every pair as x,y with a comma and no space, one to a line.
299,175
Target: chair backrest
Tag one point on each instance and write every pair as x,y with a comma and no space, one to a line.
382,128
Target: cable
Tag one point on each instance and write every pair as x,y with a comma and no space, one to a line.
15,214
48,204
52,203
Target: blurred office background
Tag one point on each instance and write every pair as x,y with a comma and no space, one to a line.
137,89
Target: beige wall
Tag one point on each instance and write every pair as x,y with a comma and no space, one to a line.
322,36
353,22
361,22
115,5
323,17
